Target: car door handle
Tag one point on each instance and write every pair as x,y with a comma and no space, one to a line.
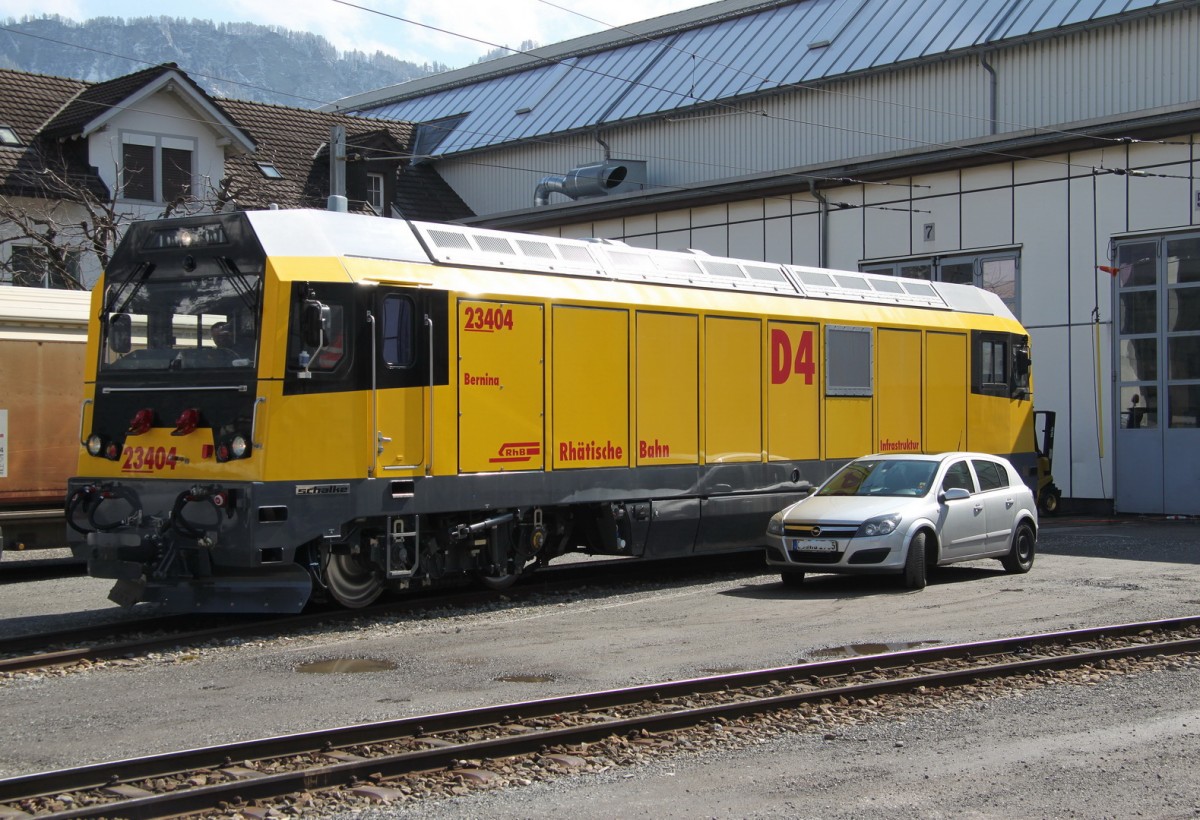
978,508
1008,502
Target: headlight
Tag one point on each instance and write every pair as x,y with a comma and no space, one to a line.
880,525
238,447
95,444
775,526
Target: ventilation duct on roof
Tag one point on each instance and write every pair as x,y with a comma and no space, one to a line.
597,179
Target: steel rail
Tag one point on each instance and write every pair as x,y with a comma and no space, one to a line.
423,727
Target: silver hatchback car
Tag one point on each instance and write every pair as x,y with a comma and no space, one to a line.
906,514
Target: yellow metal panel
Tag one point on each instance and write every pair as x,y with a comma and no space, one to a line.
898,390
312,436
590,405
947,380
848,430
732,390
500,386
991,426
794,392
667,389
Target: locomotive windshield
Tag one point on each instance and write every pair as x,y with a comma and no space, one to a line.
159,322
183,295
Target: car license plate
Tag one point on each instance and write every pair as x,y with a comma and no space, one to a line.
814,545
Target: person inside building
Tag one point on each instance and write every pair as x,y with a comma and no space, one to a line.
1136,412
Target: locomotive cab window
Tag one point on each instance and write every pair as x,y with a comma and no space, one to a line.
1000,364
320,332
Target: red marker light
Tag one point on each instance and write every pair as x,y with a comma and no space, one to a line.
142,421
187,422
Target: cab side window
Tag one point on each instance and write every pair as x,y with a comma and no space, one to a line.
959,475
399,331
991,476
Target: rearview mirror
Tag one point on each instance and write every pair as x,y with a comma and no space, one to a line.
120,333
955,494
315,323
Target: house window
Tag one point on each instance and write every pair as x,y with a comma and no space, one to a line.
269,171
137,172
156,168
375,191
8,136
994,271
30,267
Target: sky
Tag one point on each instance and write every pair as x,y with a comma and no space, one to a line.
452,32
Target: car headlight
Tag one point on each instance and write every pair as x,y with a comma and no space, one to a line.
775,525
879,525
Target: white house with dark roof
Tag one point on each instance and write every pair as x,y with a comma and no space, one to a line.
153,143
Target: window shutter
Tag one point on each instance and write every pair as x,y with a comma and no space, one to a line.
176,174
137,172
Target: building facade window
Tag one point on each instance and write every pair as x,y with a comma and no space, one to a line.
995,271
375,192
29,267
157,168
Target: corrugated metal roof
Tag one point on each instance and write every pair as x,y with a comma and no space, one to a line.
717,61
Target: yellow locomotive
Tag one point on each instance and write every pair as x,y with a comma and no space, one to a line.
282,404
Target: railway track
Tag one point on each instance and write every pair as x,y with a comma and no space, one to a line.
136,638
394,759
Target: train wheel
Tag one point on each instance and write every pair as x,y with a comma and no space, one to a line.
353,581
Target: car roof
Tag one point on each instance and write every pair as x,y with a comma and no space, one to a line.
935,457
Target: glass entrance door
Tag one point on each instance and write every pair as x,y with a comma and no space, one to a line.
1157,439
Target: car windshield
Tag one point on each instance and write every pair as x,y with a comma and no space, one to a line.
881,477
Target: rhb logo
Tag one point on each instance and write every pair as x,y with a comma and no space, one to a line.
516,451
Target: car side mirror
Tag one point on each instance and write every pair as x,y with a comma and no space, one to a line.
955,494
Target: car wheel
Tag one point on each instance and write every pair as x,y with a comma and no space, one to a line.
1020,556
792,578
914,563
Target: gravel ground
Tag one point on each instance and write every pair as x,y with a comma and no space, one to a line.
1128,747
1114,749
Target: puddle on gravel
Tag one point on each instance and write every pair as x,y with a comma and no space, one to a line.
342,666
858,650
525,679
